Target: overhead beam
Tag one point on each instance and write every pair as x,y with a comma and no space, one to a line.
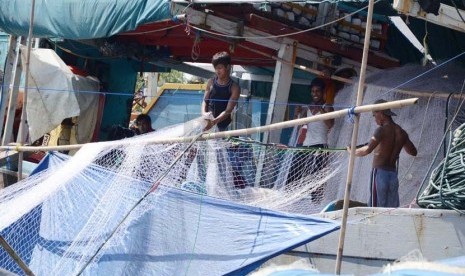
448,16
260,30
186,68
320,42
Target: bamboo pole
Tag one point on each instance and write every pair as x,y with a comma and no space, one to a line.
26,84
15,256
361,86
230,133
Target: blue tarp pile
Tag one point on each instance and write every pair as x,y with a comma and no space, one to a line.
176,233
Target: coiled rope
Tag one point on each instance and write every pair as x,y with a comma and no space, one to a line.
446,187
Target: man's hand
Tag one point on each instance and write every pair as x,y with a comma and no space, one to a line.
209,119
297,111
210,124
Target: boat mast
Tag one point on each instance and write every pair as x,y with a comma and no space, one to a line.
22,131
361,85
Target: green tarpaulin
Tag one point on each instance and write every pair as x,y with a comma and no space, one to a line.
80,19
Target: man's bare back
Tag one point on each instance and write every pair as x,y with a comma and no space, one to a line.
391,139
387,142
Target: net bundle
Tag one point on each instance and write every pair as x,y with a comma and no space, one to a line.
446,186
76,213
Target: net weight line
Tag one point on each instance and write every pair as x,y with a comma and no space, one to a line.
153,188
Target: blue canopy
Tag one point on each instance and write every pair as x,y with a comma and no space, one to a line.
175,232
80,19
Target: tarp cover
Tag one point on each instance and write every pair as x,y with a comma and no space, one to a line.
177,233
56,93
80,19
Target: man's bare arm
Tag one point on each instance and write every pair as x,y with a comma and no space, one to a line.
300,112
374,142
410,148
325,109
206,96
365,150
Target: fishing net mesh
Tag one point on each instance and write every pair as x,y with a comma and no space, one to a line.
112,185
117,183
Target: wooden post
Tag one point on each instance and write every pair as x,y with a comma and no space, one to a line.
279,95
361,85
280,90
22,130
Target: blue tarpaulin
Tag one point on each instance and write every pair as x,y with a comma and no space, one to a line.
80,19
175,232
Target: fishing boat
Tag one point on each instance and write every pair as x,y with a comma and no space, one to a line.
169,202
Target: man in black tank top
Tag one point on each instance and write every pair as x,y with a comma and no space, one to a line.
221,94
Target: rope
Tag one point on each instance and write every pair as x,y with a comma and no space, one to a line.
195,53
446,187
425,116
244,140
351,114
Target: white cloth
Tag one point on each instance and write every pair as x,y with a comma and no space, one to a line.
317,132
52,95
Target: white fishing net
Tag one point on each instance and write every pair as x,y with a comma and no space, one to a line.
111,185
425,122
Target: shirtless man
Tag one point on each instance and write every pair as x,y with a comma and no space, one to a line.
387,142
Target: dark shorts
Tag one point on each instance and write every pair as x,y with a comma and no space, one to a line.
384,188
